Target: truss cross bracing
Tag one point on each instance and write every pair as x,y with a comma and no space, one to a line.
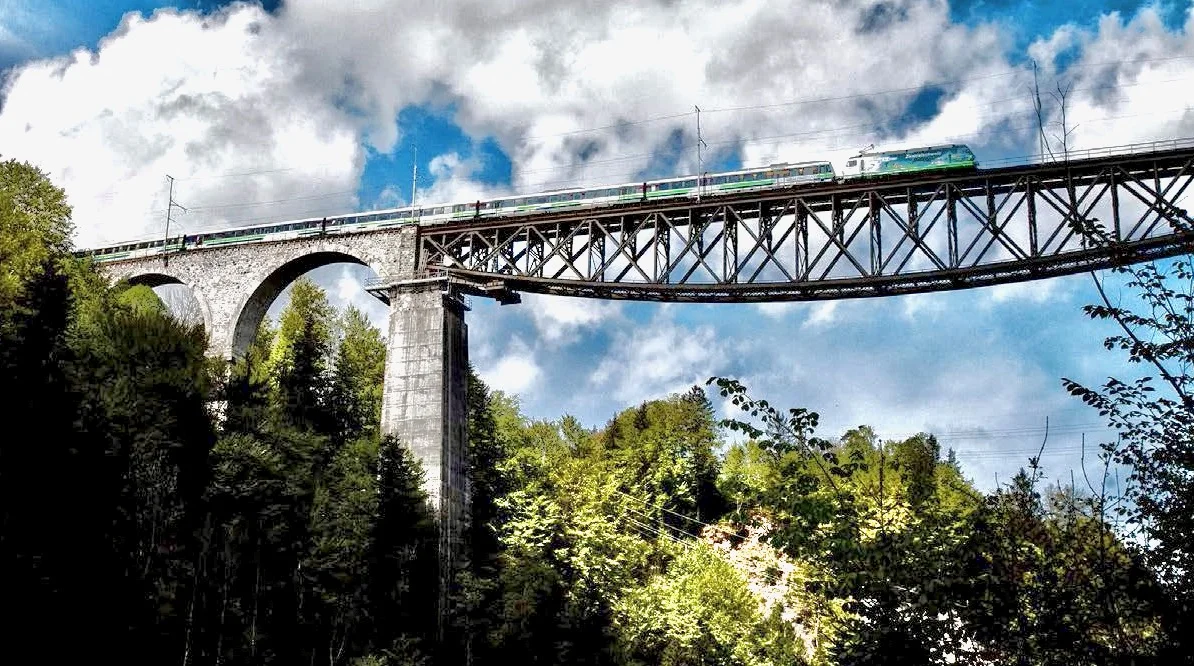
910,234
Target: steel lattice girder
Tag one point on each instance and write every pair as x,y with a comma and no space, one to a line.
871,238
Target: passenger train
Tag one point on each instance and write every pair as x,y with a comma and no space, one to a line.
865,165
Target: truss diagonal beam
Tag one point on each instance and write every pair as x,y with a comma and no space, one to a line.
923,233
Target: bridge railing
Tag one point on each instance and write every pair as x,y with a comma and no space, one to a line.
1142,148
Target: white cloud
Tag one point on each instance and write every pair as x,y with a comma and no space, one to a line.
777,310
914,305
559,319
657,359
1037,291
189,96
390,197
1123,82
454,182
349,290
515,371
824,312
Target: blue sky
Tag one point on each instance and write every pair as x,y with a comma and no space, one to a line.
300,108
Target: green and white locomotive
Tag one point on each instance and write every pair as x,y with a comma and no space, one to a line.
931,158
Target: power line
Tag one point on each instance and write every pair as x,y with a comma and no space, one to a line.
680,515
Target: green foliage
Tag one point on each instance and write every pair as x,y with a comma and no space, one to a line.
248,388
142,299
402,552
663,450
928,570
300,360
700,611
356,388
1154,416
35,226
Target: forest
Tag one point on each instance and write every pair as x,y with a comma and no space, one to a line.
160,507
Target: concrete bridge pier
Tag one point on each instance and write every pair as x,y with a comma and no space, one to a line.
425,405
424,401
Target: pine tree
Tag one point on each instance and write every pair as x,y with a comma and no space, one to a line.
359,376
404,585
299,362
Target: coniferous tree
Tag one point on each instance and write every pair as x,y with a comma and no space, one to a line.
247,389
358,378
300,360
404,586
143,378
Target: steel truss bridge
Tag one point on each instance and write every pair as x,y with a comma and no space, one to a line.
905,234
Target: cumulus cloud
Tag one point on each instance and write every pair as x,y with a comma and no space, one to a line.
515,371
660,358
348,290
777,310
915,306
454,181
1121,82
195,97
1031,292
821,313
560,319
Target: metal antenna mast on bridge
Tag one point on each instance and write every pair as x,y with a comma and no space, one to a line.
171,203
700,144
414,175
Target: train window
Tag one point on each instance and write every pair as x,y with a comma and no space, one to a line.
690,183
852,163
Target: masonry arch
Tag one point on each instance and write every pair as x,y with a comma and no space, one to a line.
253,309
184,301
